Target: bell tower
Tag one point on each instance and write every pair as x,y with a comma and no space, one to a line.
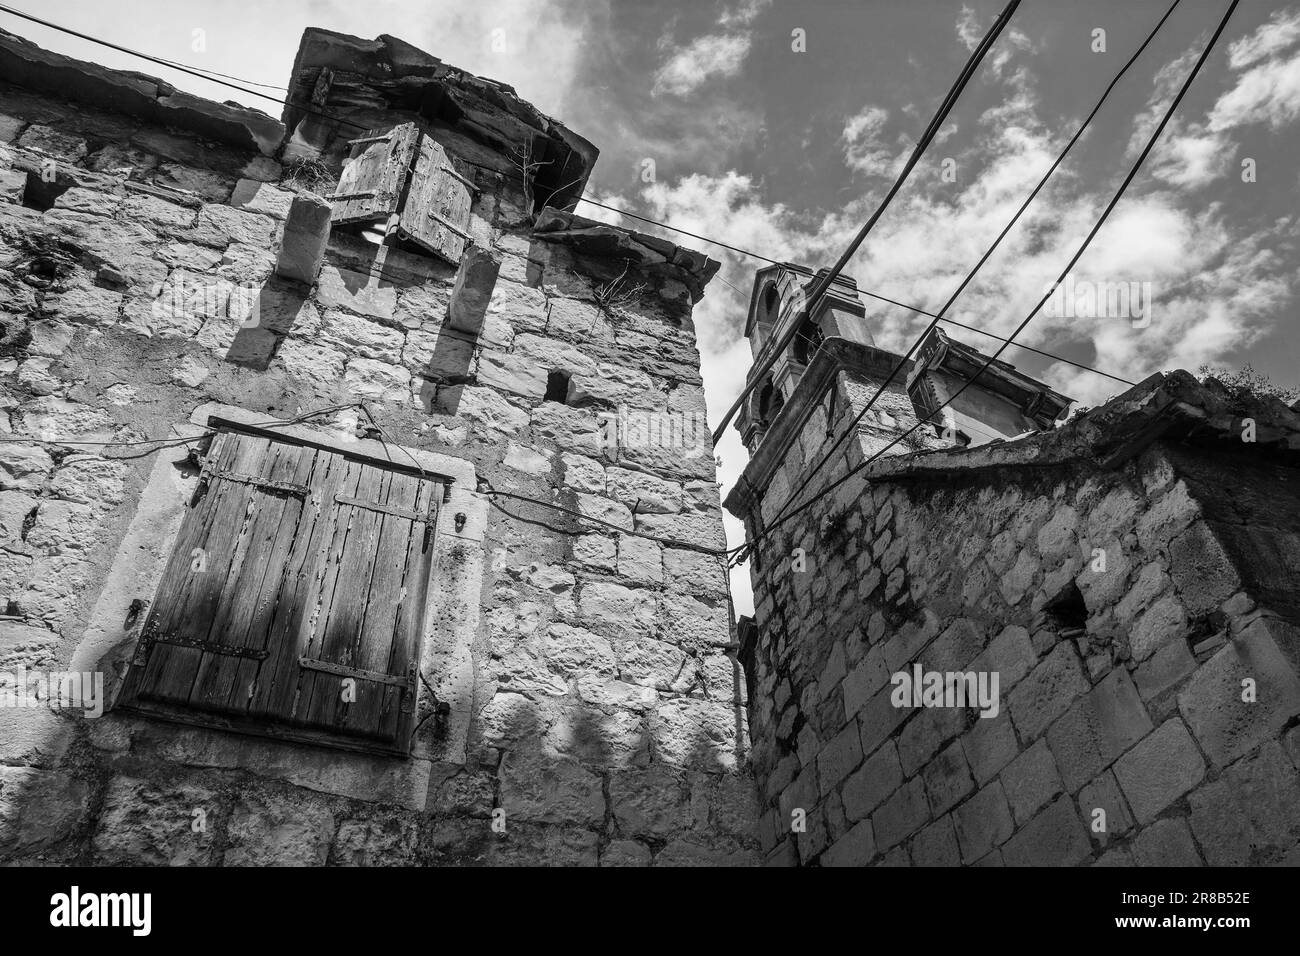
779,302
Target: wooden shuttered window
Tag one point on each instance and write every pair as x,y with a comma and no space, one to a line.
405,179
436,212
374,176
293,602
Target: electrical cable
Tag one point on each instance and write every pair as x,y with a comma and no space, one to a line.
337,119
1083,247
970,276
821,285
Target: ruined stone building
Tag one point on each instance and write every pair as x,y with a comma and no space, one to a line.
372,480
1128,576
374,485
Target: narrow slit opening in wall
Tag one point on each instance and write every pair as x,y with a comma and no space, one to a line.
557,387
41,194
1067,611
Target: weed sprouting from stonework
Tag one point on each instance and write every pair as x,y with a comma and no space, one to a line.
1246,383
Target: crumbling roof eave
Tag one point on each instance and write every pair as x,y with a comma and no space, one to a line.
693,269
1164,406
148,98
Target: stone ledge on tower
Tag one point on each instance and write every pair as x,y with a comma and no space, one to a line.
1001,403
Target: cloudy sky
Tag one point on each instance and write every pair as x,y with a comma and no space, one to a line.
786,151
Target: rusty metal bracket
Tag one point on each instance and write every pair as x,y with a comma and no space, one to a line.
341,670
209,647
382,509
287,486
446,224
455,175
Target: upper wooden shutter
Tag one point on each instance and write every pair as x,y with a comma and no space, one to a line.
374,176
436,212
295,570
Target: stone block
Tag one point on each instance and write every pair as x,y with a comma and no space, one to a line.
1097,728
1055,837
1030,781
841,754
1163,622
382,841
901,815
926,732
871,783
39,808
854,848
538,788
1202,570
1159,770
1225,725
947,778
1048,691
145,824
982,822
653,802
1251,814
1104,794
989,745
936,845
1166,843
274,831
1010,655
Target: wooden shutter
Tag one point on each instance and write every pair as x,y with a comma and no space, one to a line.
295,570
436,212
374,176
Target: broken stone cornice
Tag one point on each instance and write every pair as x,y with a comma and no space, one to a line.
650,253
1167,405
144,97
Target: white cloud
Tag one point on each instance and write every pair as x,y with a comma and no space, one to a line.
704,57
720,54
1215,284
1280,32
865,150
1264,88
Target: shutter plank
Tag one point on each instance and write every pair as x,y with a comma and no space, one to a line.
175,667
290,628
328,561
370,186
348,607
295,520
436,213
408,631
374,641
256,558
195,527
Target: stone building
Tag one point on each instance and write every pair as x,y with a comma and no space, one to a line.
1128,577
371,481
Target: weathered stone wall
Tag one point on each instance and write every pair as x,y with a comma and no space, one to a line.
593,691
1121,679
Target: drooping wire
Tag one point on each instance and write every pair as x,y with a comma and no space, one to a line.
1083,247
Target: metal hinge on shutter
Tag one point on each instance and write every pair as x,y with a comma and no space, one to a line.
342,670
387,137
450,225
285,486
455,175
210,647
382,509
368,195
